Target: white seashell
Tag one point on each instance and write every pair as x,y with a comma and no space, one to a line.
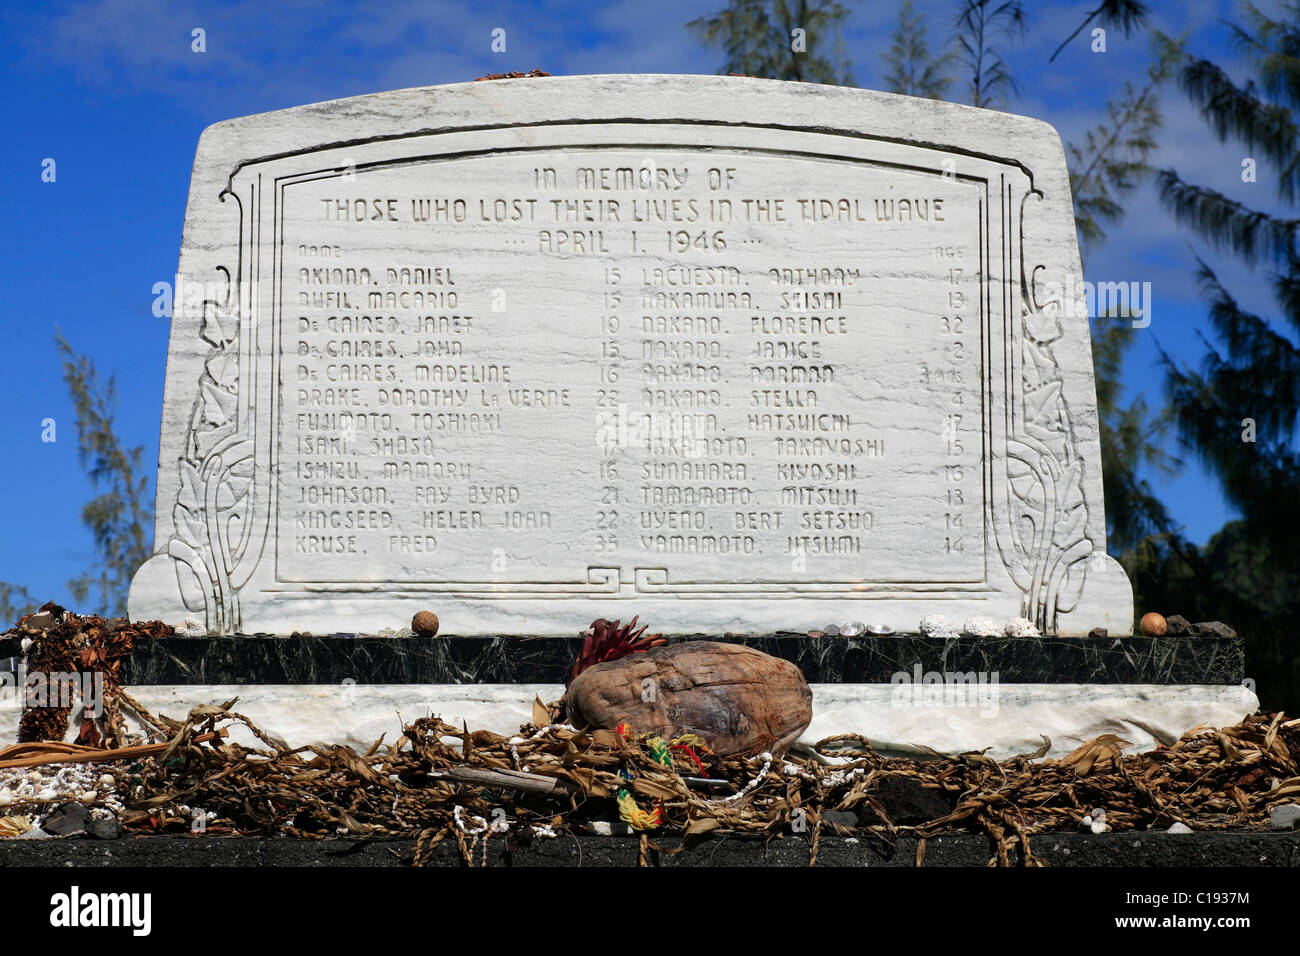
6,798
852,629
47,794
189,628
978,626
1179,827
25,643
936,625
88,796
880,629
107,780
1021,627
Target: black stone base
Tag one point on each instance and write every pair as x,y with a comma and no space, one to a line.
264,659
1129,849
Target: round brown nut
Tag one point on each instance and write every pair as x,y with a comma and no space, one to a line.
425,624
1153,625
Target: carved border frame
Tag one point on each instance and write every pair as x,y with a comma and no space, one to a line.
222,514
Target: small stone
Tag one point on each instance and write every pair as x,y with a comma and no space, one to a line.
978,626
1284,817
189,628
107,780
88,796
1153,624
936,625
105,829
816,634
831,630
852,629
425,624
1179,827
1177,626
1213,629
1094,822
1099,632
879,629
1020,627
68,820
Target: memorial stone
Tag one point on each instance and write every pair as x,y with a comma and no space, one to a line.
730,354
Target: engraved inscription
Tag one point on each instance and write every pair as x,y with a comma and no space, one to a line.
716,359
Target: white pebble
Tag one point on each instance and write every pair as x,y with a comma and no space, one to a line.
936,625
6,798
978,626
1021,627
1179,827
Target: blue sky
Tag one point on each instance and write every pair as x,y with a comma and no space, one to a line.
111,90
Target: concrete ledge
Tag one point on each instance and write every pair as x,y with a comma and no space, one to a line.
1211,849
1007,719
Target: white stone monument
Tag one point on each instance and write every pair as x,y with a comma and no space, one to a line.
730,354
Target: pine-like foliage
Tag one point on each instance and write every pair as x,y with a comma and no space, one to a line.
1250,374
1131,438
983,26
1105,168
1123,15
1249,378
15,601
756,37
1112,159
912,70
119,516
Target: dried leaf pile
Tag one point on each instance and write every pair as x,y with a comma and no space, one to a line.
64,643
441,782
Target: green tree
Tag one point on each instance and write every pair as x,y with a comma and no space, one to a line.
119,516
911,69
982,27
1238,412
15,601
1113,157
758,38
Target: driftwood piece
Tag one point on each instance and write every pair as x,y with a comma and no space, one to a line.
512,779
739,700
